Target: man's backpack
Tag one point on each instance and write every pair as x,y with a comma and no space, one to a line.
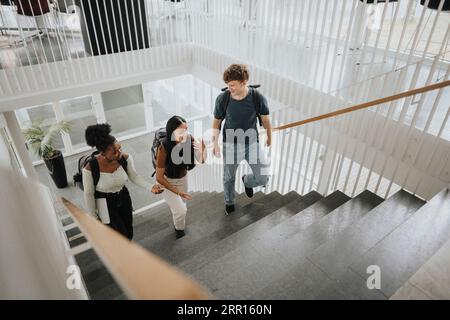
256,100
95,169
159,138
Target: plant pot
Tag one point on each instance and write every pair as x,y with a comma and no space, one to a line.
57,169
434,4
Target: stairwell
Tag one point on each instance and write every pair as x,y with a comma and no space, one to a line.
290,246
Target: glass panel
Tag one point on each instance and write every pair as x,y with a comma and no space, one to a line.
76,105
42,113
124,110
179,96
160,114
80,113
77,129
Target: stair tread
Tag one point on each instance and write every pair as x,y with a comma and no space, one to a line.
167,232
151,226
99,283
228,227
231,242
158,212
312,213
400,254
350,244
96,274
206,232
431,281
156,215
275,253
109,290
353,242
298,222
310,282
209,211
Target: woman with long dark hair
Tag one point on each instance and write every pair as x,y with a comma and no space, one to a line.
175,156
104,179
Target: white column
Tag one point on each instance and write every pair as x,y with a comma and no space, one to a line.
175,86
59,118
33,257
326,170
5,159
148,89
19,143
97,105
359,25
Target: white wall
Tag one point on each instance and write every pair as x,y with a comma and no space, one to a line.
33,260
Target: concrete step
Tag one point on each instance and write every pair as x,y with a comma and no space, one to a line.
207,232
334,257
96,273
400,254
248,233
233,226
279,253
151,223
215,274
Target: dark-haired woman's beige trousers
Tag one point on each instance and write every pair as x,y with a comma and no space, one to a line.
177,204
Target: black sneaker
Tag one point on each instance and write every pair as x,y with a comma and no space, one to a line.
229,208
248,191
179,233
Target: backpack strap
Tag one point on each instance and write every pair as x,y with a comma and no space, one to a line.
160,144
95,170
226,101
256,100
257,103
124,163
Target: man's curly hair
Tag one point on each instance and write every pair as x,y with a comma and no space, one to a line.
238,72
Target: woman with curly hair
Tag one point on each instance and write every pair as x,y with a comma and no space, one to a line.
104,179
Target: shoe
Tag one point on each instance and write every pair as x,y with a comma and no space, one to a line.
229,208
248,191
179,233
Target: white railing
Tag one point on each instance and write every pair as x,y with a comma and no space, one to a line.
400,144
322,44
331,49
42,53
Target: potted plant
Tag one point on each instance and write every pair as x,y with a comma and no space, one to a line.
41,142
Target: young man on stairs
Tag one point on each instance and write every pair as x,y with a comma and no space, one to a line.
241,106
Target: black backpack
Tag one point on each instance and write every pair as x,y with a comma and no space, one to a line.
256,100
160,137
95,169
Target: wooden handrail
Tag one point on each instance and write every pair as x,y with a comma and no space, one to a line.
141,274
368,104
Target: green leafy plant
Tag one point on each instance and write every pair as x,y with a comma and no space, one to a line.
41,141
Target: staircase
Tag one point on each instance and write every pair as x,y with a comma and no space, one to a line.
290,246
